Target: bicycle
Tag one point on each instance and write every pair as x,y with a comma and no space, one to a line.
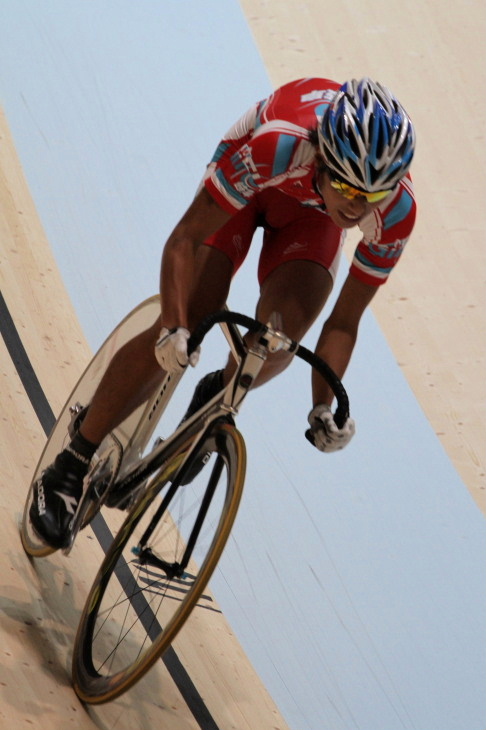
166,549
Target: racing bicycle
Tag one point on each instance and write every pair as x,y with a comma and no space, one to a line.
172,523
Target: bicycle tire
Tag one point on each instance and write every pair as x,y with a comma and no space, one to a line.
134,611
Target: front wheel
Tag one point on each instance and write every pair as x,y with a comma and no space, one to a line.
157,567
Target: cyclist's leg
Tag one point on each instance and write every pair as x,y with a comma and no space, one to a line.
298,264
130,379
297,291
217,261
213,273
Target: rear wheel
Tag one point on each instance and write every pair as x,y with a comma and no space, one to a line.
157,567
139,319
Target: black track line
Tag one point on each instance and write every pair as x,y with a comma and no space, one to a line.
46,417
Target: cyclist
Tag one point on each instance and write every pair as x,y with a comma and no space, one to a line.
309,162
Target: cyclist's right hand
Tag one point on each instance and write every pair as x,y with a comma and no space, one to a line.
171,350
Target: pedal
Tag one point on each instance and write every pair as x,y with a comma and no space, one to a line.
98,482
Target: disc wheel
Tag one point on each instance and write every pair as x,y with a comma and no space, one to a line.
141,597
140,318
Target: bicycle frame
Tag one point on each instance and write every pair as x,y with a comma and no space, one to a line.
249,360
121,460
228,402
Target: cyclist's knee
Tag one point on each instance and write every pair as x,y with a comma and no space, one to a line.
273,366
298,291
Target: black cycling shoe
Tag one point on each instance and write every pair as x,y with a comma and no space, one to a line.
56,496
206,389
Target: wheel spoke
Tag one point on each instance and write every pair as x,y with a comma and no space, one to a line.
135,608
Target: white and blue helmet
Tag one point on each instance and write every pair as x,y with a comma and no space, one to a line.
366,136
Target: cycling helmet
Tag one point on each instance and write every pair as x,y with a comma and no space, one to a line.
366,137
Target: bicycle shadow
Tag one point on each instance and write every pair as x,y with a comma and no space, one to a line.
51,612
34,663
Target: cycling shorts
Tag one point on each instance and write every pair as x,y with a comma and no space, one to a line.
291,232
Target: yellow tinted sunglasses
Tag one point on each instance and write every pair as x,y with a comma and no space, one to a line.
350,193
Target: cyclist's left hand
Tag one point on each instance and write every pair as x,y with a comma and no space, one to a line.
327,436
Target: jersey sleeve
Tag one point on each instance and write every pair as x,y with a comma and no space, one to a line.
385,233
234,180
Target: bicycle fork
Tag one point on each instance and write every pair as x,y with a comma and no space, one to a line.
176,569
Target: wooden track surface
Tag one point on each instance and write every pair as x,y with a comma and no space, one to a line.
432,309
42,600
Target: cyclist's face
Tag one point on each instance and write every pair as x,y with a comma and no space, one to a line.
344,212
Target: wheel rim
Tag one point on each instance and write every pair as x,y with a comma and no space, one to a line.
135,610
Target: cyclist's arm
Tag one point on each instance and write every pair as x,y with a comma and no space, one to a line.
338,336
203,217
